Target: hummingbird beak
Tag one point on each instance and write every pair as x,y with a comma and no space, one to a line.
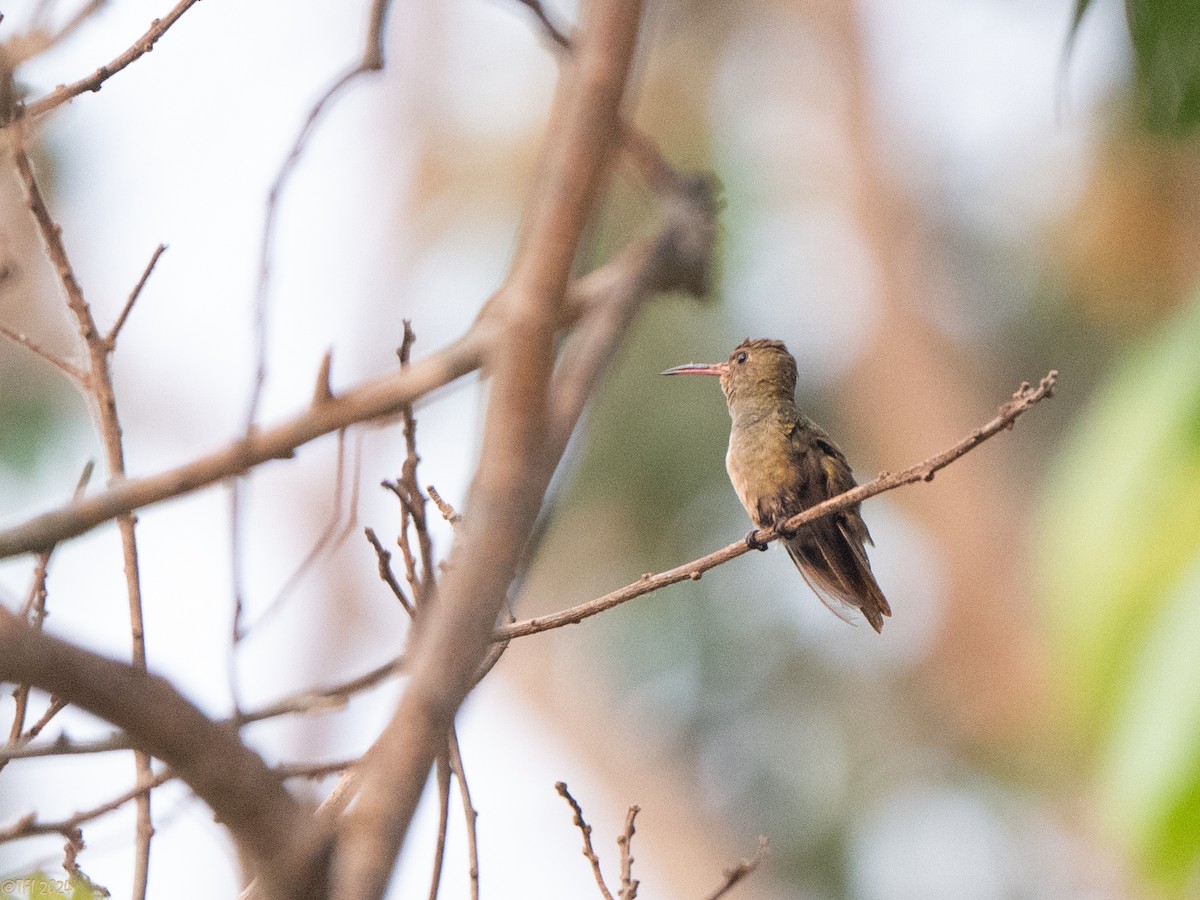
698,369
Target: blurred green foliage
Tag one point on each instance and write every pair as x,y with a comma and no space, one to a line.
1166,57
1120,557
30,409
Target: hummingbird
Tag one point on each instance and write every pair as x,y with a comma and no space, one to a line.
781,463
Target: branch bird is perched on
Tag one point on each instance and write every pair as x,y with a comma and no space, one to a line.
780,464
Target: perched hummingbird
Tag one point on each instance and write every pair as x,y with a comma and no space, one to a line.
780,464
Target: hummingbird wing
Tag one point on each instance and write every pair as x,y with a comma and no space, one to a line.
830,552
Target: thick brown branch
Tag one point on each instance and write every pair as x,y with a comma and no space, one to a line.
1025,397
329,698
515,467
246,796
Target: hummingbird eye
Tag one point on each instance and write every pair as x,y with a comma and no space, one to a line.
741,357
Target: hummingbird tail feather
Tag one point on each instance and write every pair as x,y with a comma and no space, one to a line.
814,577
835,566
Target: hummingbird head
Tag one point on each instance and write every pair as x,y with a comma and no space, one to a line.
757,373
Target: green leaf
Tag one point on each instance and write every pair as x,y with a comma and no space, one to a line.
1120,564
1122,516
1166,52
1150,776
1166,55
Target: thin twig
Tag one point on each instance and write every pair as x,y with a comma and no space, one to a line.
64,746
33,611
448,512
372,60
586,830
19,337
29,826
315,771
442,774
470,815
412,488
56,705
111,339
629,884
98,383
331,537
741,870
1025,397
385,570
85,12
93,82
551,30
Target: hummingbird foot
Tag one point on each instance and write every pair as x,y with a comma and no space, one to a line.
753,542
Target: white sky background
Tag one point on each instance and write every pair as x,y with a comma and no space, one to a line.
181,149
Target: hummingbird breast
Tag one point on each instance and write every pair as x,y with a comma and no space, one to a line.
763,468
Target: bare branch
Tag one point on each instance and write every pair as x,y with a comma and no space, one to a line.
334,697
1025,397
372,399
470,816
414,500
98,383
231,778
372,61
629,884
34,612
93,82
448,512
19,337
586,830
642,152
741,870
29,826
331,537
442,775
373,58
552,31
385,571
650,265
302,702
111,340
515,467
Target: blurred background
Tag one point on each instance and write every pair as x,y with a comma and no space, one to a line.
930,201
